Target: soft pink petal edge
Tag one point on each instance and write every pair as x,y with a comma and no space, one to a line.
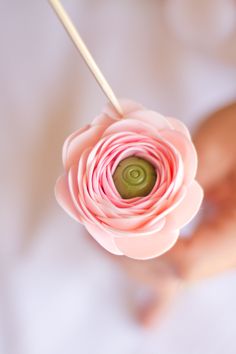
155,119
103,238
179,126
63,197
187,209
187,151
78,143
128,106
147,247
69,139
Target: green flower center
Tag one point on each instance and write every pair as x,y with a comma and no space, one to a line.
134,177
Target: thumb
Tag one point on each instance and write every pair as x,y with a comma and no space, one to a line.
151,314
214,143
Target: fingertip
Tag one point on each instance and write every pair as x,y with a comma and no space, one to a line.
148,316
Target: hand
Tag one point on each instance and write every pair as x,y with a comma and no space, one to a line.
212,247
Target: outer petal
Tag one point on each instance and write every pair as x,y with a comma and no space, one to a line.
130,125
147,247
103,238
63,197
155,119
74,148
187,151
70,139
187,209
103,119
128,107
179,126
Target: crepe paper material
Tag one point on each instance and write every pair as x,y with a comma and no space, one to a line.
142,227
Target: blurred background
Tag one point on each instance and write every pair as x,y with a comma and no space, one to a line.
58,292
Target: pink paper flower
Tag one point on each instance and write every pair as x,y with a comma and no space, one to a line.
141,227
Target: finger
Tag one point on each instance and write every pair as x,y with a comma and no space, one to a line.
215,145
145,272
152,313
225,193
211,249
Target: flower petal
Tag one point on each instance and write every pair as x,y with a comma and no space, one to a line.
126,223
69,140
103,238
78,143
120,230
179,126
186,150
130,125
187,209
63,197
128,107
103,119
155,119
147,247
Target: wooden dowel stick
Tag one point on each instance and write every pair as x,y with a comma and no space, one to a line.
80,45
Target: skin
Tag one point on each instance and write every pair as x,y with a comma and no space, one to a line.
211,249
